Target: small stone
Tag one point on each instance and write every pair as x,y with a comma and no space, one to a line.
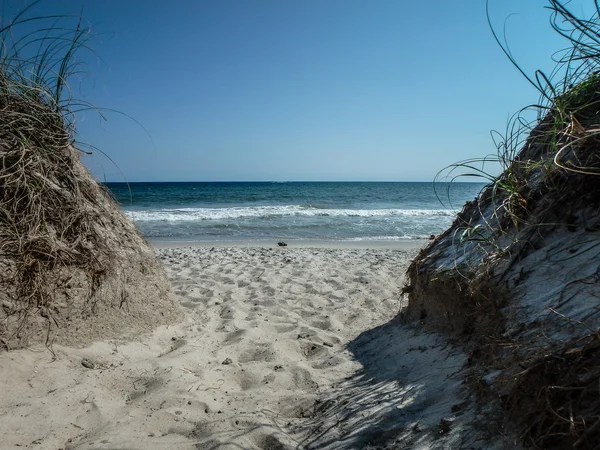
88,364
227,361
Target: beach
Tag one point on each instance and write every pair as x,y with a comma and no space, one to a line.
278,347
244,268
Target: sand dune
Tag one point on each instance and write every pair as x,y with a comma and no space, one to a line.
280,348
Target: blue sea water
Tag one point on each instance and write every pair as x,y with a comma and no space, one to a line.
259,211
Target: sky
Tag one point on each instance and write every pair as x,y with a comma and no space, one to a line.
299,90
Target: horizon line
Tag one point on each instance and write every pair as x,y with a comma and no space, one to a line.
288,181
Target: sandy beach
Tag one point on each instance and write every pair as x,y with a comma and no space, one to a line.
261,242
291,347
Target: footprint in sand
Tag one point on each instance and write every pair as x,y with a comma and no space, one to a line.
207,293
323,324
285,328
258,352
303,380
248,380
334,283
296,289
234,337
327,363
243,283
268,303
226,280
142,387
92,417
310,289
312,350
226,313
269,291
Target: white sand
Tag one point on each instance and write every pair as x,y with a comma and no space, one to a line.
280,348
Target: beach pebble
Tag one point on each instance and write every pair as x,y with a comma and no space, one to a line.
87,363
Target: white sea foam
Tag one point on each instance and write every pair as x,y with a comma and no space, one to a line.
197,214
386,238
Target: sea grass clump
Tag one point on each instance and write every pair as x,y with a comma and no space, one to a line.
72,266
516,277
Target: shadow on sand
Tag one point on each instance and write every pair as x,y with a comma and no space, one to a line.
408,394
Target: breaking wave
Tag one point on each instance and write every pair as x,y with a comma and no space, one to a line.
198,214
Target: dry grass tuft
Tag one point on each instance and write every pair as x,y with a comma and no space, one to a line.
66,251
48,212
522,244
557,397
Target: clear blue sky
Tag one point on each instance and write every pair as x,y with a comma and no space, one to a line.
301,89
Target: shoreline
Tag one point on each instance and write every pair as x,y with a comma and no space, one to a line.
406,244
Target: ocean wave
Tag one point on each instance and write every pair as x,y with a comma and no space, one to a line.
404,237
198,214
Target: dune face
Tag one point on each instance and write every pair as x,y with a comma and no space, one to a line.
516,276
74,269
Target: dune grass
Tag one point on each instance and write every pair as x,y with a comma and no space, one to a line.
46,225
549,174
556,153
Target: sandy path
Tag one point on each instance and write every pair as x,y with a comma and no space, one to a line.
281,348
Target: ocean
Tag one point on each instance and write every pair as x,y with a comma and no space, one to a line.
301,211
